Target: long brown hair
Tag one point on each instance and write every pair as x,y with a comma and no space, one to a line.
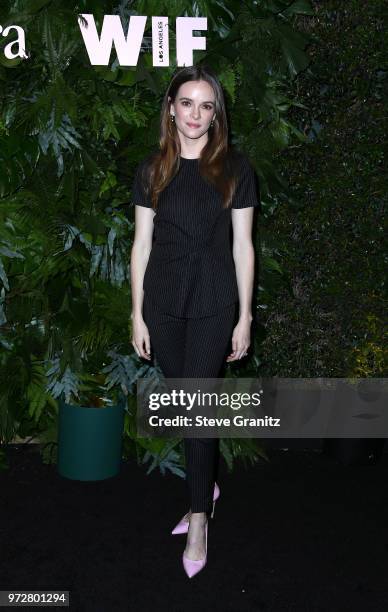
215,162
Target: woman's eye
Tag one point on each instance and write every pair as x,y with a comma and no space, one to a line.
206,106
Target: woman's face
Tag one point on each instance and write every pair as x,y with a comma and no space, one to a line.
194,108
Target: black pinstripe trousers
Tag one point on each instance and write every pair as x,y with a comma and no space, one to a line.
193,348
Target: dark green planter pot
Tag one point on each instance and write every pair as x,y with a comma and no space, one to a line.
90,441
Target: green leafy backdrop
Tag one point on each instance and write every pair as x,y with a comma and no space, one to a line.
304,95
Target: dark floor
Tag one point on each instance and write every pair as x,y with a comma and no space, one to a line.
300,533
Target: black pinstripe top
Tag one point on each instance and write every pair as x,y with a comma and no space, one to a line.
190,271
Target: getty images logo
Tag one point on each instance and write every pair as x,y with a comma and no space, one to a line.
127,46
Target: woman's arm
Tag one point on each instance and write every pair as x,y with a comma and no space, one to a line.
244,259
141,249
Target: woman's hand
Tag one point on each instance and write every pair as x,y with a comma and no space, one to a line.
241,338
140,337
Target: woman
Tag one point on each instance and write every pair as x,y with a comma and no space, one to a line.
186,285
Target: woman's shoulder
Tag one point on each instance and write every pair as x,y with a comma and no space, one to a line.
148,159
237,161
238,155
143,168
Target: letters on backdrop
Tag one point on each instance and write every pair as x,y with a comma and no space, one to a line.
127,47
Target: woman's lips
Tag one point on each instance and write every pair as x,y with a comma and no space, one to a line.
193,125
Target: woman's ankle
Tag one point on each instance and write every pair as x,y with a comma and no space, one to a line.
201,517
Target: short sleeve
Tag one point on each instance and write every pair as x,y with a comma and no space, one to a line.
246,192
139,195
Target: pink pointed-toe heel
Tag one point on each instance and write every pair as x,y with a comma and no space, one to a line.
191,566
183,525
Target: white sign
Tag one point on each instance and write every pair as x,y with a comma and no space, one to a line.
128,47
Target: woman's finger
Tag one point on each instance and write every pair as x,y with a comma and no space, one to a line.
136,349
243,352
146,350
147,342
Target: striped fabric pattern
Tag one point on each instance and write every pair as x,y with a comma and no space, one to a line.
193,348
191,272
